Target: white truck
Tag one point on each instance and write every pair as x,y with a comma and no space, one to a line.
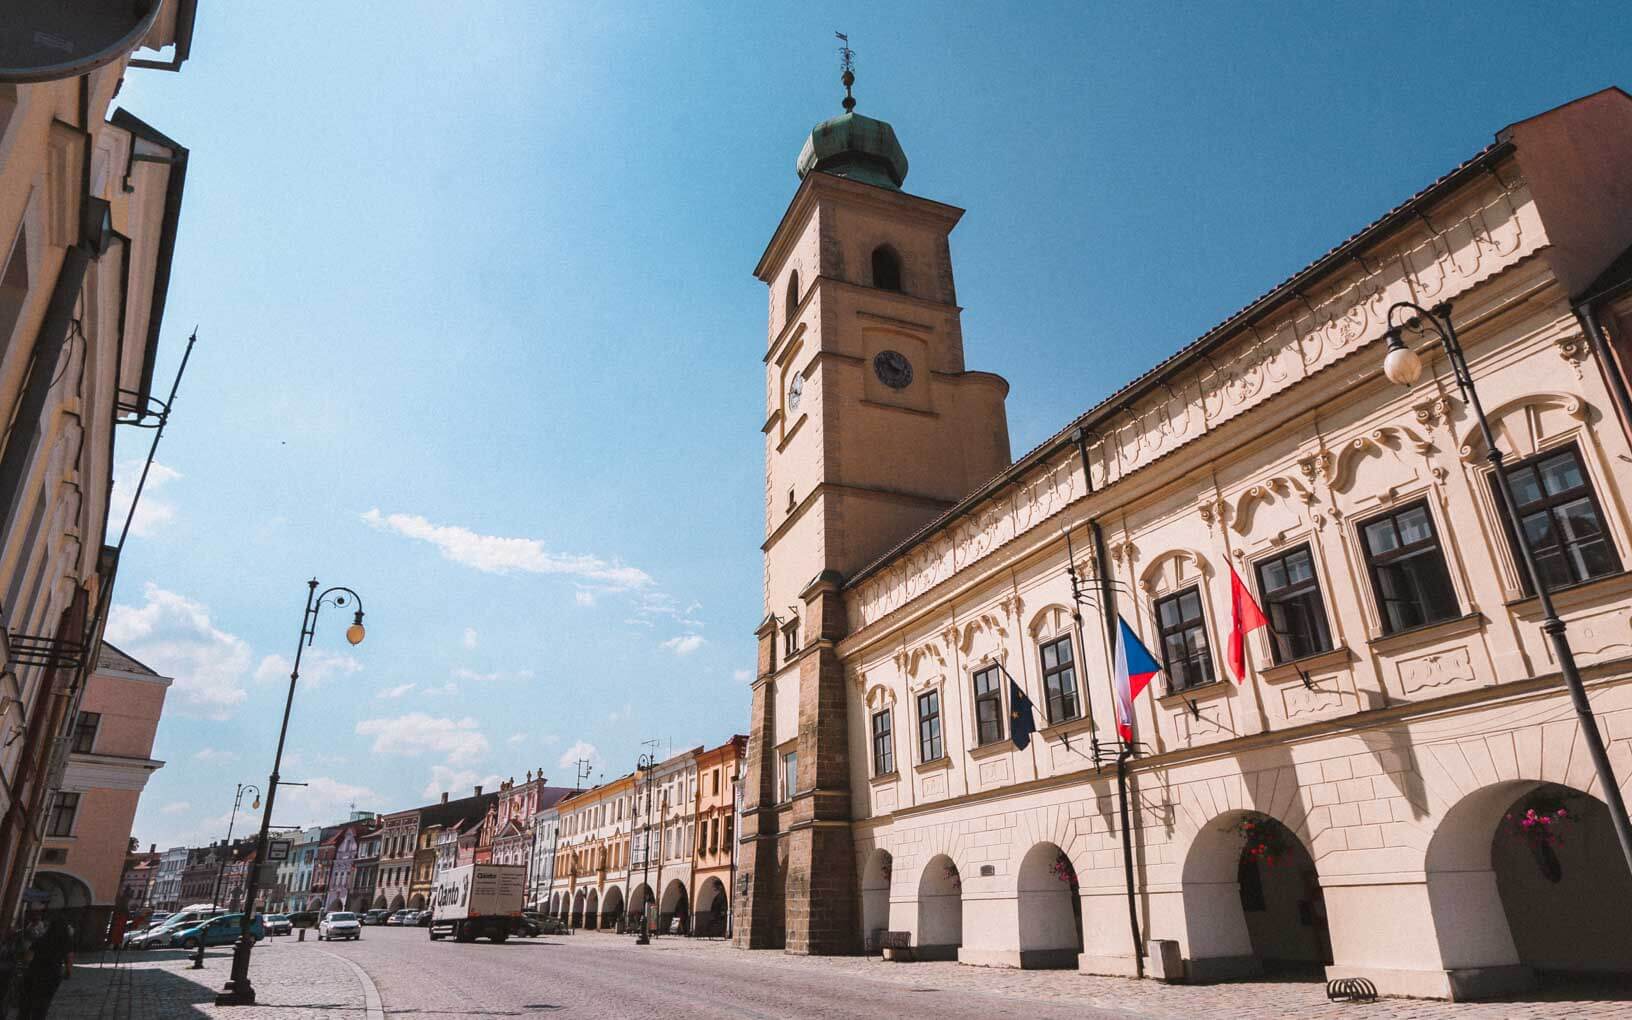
477,901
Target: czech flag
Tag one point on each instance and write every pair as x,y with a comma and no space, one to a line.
1134,668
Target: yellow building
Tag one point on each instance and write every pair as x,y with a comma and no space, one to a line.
89,207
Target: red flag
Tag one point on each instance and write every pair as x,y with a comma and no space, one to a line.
1245,616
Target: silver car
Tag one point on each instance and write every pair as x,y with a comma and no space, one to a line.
339,924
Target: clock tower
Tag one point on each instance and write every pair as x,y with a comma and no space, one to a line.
873,427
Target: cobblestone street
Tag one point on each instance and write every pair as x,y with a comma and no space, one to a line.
589,975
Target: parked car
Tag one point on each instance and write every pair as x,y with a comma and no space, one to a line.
550,925
219,931
278,924
376,916
304,919
339,924
162,936
398,918
159,917
423,919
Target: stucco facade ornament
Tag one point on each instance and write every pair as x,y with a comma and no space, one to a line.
1212,511
986,622
1431,414
1524,422
1385,438
1271,490
1572,347
1465,244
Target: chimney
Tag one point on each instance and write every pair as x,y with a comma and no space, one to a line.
153,848
478,791
444,796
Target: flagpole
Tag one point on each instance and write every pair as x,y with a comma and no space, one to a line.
1112,622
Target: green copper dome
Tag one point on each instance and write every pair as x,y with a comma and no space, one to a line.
857,147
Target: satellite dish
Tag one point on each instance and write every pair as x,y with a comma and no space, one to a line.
47,40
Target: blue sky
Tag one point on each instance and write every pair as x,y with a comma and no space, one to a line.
478,335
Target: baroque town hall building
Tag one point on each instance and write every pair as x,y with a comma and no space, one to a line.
1354,805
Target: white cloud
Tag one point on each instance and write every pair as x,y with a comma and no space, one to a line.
175,636
493,677
450,689
497,554
516,738
317,667
615,716
176,807
584,597
154,511
211,754
742,676
470,637
684,644
323,801
460,740
456,783
397,691
581,750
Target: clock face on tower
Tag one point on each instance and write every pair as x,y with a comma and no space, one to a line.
893,369
796,389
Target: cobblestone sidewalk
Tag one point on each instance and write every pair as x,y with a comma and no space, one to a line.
293,981
1304,1000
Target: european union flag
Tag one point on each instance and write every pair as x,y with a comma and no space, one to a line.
1022,723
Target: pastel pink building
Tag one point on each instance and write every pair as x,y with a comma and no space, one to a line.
87,829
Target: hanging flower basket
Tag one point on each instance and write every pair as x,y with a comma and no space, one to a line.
1263,840
1063,870
1540,821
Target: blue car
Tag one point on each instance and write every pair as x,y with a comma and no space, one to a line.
218,931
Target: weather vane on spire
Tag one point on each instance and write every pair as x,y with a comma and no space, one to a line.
847,60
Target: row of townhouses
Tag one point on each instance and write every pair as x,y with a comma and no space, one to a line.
657,845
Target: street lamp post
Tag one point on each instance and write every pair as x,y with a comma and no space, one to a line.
1403,365
644,766
239,991
237,800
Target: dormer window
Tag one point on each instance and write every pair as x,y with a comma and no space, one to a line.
886,268
790,638
793,296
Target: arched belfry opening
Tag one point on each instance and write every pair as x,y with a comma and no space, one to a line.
791,305
886,268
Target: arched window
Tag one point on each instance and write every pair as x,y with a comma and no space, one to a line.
793,295
886,268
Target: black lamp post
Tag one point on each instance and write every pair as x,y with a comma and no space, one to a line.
239,991
644,766
237,800
1402,365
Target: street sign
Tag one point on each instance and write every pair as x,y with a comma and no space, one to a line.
278,849
268,876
